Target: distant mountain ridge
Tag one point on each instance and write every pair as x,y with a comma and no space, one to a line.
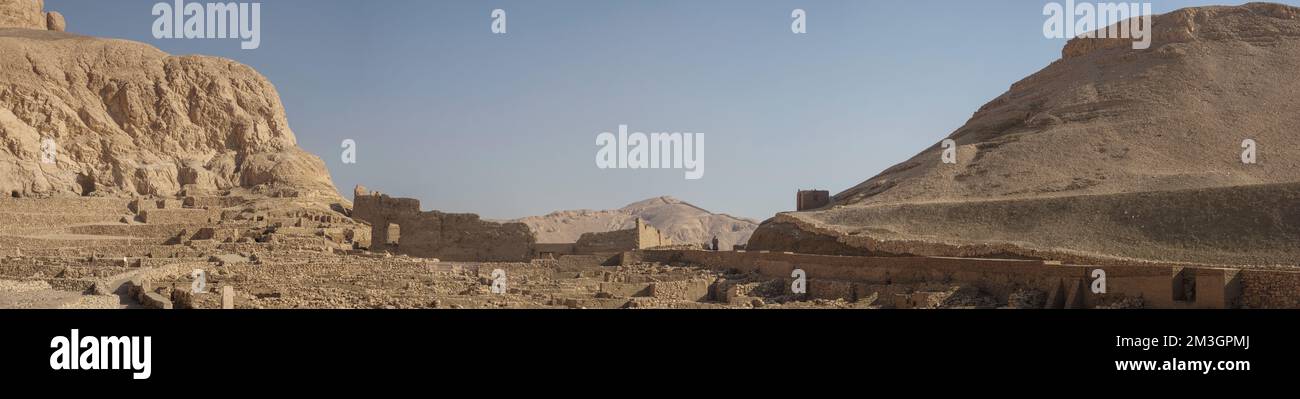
683,222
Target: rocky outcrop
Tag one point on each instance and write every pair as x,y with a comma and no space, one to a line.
55,22
26,14
122,118
1110,153
1203,24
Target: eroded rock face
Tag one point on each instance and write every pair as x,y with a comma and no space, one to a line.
22,14
1109,119
55,22
1108,153
127,119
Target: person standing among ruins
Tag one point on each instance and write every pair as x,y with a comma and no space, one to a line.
715,243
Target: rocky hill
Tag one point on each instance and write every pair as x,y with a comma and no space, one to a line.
123,118
1109,154
683,222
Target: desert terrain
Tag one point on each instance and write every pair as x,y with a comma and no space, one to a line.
132,178
1108,155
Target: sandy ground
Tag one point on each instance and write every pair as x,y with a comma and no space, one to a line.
39,295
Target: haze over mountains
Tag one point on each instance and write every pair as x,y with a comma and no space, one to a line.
1108,154
683,222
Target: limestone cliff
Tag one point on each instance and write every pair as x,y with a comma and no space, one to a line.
125,118
27,14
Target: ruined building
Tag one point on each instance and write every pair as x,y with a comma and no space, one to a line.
398,225
812,199
642,236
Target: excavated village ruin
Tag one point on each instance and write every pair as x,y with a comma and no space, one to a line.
176,183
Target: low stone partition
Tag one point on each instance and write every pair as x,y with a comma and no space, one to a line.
1066,286
213,202
179,216
162,232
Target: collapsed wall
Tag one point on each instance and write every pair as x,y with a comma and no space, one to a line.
433,234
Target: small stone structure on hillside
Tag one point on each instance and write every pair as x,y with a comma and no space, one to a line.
812,199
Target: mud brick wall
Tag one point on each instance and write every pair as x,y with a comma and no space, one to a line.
463,237
214,202
626,290
554,250
580,262
650,237
642,236
607,242
19,216
687,290
1265,289
446,236
179,216
812,199
1068,285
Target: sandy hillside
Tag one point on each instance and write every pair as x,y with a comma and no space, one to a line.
684,223
1109,153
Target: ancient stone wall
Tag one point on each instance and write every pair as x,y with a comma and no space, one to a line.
607,242
1269,289
446,236
1066,286
650,237
549,250
642,236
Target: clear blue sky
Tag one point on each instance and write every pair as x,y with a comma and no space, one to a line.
505,125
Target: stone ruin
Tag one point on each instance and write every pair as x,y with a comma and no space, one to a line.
434,234
269,253
142,236
641,236
399,226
